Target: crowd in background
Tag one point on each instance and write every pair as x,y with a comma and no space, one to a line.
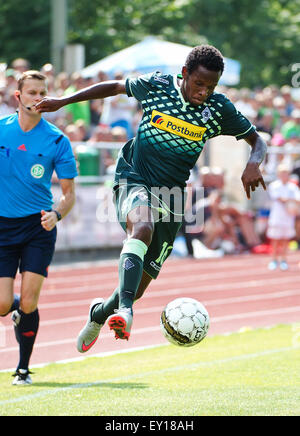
274,111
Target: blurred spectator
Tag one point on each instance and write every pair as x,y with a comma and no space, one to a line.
80,110
291,129
118,111
11,80
96,107
101,76
83,130
103,133
287,96
73,133
223,226
228,227
119,134
265,121
244,104
61,83
20,65
49,72
285,197
8,102
4,108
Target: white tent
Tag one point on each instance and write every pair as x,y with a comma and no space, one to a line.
153,54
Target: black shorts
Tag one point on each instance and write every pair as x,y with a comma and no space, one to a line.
167,224
26,245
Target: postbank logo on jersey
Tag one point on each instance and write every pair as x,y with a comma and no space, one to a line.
176,126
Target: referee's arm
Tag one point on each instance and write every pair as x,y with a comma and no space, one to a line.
67,200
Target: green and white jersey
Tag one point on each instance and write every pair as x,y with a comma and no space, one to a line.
172,132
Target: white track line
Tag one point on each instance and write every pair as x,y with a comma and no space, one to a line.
178,268
156,309
224,284
216,302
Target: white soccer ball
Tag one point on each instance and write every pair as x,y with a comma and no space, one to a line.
184,322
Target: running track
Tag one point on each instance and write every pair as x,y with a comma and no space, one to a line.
238,291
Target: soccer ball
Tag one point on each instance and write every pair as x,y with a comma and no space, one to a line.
184,322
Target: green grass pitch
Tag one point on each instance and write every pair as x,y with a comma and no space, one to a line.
255,372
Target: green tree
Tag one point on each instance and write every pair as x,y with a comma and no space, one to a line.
105,26
264,35
24,31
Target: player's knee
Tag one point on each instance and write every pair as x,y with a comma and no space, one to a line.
5,308
28,305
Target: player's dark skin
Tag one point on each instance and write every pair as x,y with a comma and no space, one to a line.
195,87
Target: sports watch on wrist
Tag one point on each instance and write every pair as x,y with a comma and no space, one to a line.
58,215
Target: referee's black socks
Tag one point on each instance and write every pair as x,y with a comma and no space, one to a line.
26,330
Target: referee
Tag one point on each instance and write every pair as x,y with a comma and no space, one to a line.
31,149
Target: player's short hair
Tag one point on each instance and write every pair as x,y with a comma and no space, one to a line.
207,56
30,74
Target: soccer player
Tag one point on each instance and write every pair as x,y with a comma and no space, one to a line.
180,113
30,150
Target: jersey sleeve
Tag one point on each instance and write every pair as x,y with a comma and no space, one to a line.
139,87
234,123
65,163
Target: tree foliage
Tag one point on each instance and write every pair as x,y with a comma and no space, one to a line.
264,35
24,31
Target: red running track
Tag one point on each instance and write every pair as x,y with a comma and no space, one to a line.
237,291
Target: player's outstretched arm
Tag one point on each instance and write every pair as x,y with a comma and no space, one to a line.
252,176
99,90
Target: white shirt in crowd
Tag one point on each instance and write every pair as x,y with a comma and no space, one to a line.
282,214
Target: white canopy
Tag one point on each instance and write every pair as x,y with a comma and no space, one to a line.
153,54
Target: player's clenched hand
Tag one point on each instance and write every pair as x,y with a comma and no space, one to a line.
48,220
49,104
251,178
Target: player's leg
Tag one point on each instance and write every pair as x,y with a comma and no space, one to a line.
284,244
6,295
158,251
9,261
35,258
140,229
134,214
102,311
26,321
274,254
118,307
99,311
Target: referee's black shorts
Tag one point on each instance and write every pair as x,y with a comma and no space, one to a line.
24,244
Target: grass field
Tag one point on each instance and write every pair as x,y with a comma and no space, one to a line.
255,372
